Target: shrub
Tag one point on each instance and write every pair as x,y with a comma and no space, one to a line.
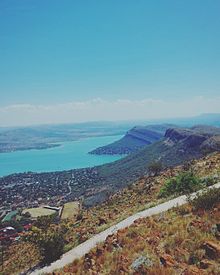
155,167
184,183
208,181
51,247
206,200
44,222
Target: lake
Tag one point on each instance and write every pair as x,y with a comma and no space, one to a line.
69,155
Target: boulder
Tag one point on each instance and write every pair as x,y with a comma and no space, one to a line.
167,260
204,264
212,249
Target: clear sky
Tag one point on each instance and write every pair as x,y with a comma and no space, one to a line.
101,54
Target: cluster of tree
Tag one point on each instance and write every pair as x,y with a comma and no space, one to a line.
184,183
48,237
50,242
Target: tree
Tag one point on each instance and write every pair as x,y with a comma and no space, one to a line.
51,246
50,242
155,167
44,222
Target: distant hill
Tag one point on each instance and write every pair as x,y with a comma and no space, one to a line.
134,140
212,119
178,146
44,136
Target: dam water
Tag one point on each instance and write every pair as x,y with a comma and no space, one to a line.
70,155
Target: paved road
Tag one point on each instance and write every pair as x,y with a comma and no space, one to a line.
85,247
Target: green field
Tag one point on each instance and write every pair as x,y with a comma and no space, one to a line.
70,210
39,211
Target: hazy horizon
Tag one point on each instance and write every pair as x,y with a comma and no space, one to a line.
101,110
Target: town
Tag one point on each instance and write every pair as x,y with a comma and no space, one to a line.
27,196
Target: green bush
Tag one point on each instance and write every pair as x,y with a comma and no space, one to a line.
51,247
206,200
155,167
184,183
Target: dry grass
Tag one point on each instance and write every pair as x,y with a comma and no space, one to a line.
178,236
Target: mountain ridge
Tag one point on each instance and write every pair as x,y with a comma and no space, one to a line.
135,139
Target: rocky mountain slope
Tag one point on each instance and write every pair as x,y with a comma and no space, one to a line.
180,241
184,240
134,140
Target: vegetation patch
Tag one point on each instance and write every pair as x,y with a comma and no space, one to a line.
207,199
155,167
184,183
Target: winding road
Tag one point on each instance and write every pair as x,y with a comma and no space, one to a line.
86,246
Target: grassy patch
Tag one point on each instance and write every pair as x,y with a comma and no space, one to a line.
39,212
70,210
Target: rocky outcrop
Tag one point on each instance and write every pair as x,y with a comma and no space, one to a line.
202,137
167,260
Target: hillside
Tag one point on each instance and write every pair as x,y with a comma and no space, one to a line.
140,195
180,241
184,240
134,140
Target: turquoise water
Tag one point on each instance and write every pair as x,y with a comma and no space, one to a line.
69,155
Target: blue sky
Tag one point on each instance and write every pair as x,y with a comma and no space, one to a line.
55,52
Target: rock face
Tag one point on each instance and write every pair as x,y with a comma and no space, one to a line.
212,143
167,260
134,140
201,137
